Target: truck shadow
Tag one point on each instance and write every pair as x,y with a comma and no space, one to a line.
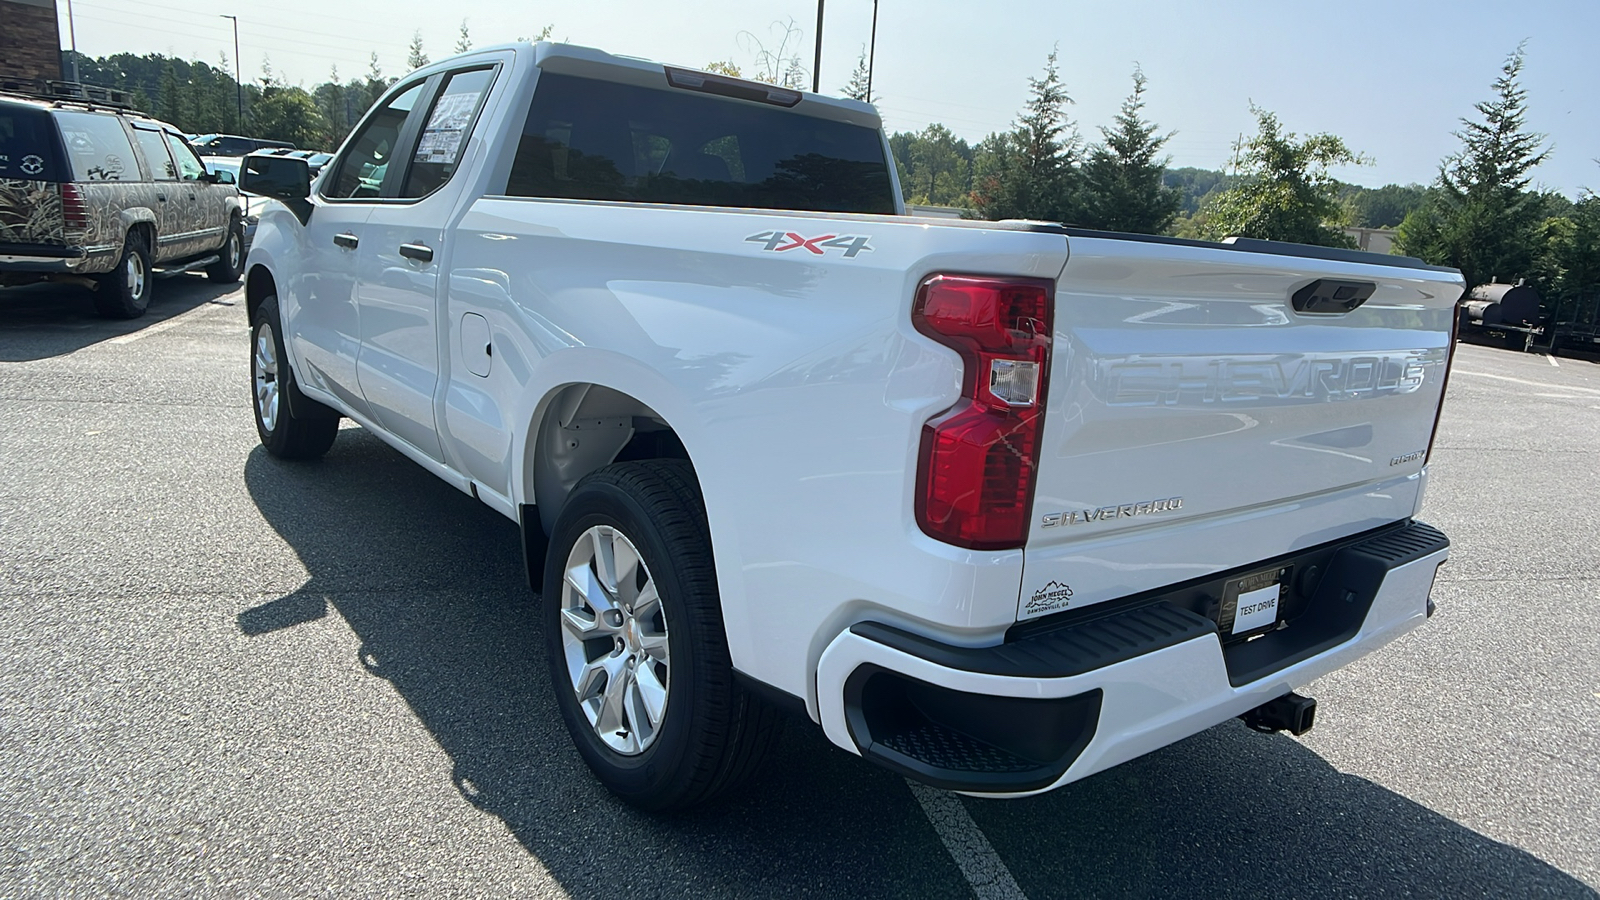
39,321
431,583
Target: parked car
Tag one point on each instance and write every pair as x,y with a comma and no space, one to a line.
234,145
998,505
107,197
250,205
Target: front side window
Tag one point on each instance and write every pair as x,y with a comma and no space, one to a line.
361,171
189,167
445,135
596,140
155,153
97,147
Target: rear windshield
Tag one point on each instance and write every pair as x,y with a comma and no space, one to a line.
595,140
97,147
29,148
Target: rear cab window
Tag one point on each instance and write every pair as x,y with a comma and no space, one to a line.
445,133
586,139
30,146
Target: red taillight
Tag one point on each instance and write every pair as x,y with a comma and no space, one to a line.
74,212
976,469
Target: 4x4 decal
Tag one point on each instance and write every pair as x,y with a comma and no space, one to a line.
779,241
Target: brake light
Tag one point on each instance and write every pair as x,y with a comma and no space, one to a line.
74,212
975,470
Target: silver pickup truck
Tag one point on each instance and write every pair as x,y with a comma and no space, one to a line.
997,505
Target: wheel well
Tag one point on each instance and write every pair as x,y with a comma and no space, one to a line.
148,231
586,427
257,287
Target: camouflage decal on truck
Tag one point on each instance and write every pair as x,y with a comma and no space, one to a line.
30,212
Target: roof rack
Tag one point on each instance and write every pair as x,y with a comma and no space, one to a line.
68,91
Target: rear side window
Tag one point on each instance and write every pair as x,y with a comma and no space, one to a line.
595,140
97,147
29,149
445,134
155,153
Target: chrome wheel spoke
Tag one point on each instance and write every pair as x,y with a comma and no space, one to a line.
610,607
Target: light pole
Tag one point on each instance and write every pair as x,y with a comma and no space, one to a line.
872,49
238,80
816,68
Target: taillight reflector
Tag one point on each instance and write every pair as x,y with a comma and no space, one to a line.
74,212
975,471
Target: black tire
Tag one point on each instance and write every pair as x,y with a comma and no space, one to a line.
229,267
124,292
713,734
285,435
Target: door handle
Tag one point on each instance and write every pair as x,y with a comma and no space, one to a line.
346,240
418,252
162,197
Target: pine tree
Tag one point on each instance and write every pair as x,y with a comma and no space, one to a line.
1481,217
464,41
1031,172
860,86
1123,177
416,58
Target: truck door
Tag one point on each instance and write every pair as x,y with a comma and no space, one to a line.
201,204
172,241
324,327
402,248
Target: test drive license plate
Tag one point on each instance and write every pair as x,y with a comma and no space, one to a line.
1253,602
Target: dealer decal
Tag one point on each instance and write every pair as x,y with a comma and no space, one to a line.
783,241
1049,598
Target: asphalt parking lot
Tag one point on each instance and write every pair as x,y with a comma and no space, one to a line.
226,675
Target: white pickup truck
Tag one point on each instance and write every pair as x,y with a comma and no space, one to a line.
998,505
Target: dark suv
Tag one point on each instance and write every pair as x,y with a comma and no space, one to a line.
104,196
234,145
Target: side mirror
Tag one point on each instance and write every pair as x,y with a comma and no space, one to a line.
279,177
282,178
221,176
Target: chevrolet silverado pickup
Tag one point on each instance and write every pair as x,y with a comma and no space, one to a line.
997,505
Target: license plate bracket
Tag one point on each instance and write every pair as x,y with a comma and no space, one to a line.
1254,603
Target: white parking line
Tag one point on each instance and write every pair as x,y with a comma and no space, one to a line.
986,872
1543,384
1551,360
174,322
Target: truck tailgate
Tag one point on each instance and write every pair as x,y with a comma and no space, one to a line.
1196,422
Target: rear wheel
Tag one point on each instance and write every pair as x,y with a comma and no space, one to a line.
124,292
272,380
230,259
634,636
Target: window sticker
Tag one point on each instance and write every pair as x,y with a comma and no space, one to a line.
441,139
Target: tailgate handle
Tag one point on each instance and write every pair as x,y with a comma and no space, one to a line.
1327,296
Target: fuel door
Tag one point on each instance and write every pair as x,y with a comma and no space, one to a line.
477,351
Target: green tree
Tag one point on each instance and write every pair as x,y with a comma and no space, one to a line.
1123,189
859,87
464,39
1285,192
416,57
724,67
289,114
1481,217
1031,172
935,166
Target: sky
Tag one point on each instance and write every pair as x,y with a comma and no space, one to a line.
1393,79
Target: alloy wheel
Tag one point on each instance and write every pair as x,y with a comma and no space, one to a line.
614,634
265,370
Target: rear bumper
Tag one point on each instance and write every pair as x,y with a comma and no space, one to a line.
54,258
1116,682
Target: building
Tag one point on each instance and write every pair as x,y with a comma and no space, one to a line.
1373,240
30,40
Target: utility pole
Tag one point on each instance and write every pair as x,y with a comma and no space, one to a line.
238,73
872,51
816,68
72,37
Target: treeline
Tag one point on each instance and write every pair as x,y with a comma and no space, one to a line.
1482,213
202,99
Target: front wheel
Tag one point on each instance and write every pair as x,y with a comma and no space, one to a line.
282,433
634,636
229,266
